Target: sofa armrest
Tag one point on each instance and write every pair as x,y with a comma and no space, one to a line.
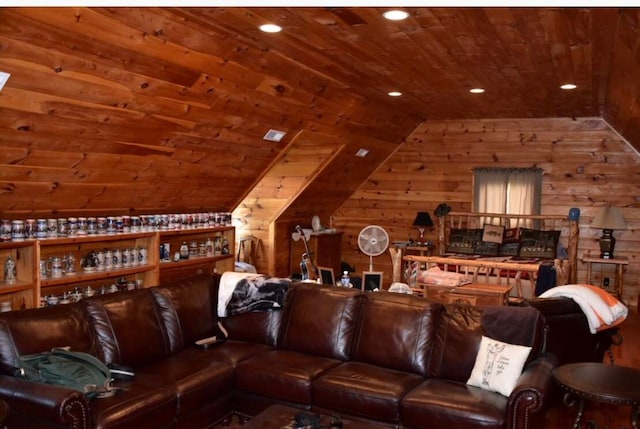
532,392
39,402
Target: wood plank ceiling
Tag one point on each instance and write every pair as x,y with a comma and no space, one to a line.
114,110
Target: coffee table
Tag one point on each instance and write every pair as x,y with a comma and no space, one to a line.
281,416
618,385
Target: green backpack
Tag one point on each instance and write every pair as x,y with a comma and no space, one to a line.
74,370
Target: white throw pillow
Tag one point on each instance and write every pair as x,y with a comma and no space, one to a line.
498,366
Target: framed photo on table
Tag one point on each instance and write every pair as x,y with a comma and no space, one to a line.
326,275
371,280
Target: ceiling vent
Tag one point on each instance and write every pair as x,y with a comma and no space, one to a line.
274,135
4,77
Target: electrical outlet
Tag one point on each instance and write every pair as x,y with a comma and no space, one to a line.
605,282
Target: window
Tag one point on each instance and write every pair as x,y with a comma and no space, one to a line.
507,190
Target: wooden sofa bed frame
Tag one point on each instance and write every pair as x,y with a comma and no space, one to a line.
504,272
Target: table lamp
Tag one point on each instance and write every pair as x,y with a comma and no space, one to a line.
608,219
422,221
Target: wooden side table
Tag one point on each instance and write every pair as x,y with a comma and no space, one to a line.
610,384
619,263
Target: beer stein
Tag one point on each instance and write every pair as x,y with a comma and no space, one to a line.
17,230
52,228
108,260
117,258
41,228
30,229
55,266
100,264
44,269
63,227
69,264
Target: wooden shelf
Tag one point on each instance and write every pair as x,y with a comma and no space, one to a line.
27,290
95,275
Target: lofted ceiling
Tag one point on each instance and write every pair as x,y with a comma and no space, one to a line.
164,109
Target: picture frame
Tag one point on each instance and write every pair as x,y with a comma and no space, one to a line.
372,280
326,276
492,233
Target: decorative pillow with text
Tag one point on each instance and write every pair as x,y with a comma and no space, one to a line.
498,366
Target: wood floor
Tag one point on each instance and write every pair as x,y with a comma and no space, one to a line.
606,416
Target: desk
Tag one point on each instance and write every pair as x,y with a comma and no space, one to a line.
616,385
619,263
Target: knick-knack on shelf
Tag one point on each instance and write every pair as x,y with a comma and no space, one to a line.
10,274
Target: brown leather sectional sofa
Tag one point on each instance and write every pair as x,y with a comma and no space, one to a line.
388,358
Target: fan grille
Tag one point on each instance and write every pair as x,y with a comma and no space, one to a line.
373,240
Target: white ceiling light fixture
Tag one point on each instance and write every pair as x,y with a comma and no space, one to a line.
274,135
270,28
476,90
569,86
395,15
394,93
4,77
361,153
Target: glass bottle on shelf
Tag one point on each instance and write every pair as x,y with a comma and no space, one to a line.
345,280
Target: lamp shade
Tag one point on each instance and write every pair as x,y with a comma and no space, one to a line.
423,220
609,218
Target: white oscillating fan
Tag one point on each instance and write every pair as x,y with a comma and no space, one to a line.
373,240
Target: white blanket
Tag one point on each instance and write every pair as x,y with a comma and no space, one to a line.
601,308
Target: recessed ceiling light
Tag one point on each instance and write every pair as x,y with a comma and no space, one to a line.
395,15
568,86
4,77
274,135
476,90
394,93
362,152
270,28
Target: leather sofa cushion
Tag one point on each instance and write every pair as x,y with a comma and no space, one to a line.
438,403
456,342
395,331
142,404
128,327
282,374
41,329
195,382
364,390
188,310
257,327
319,320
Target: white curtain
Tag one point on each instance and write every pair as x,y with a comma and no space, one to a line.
507,190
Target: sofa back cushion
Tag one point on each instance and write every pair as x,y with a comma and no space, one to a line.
41,329
128,327
460,328
187,309
395,331
319,320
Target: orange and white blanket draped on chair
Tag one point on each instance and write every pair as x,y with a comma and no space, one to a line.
602,309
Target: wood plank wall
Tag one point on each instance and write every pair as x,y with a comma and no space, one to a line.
586,165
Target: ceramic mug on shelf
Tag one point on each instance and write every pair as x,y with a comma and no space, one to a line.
44,269
69,264
52,228
55,267
17,230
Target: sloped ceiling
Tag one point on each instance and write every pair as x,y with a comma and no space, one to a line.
164,109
